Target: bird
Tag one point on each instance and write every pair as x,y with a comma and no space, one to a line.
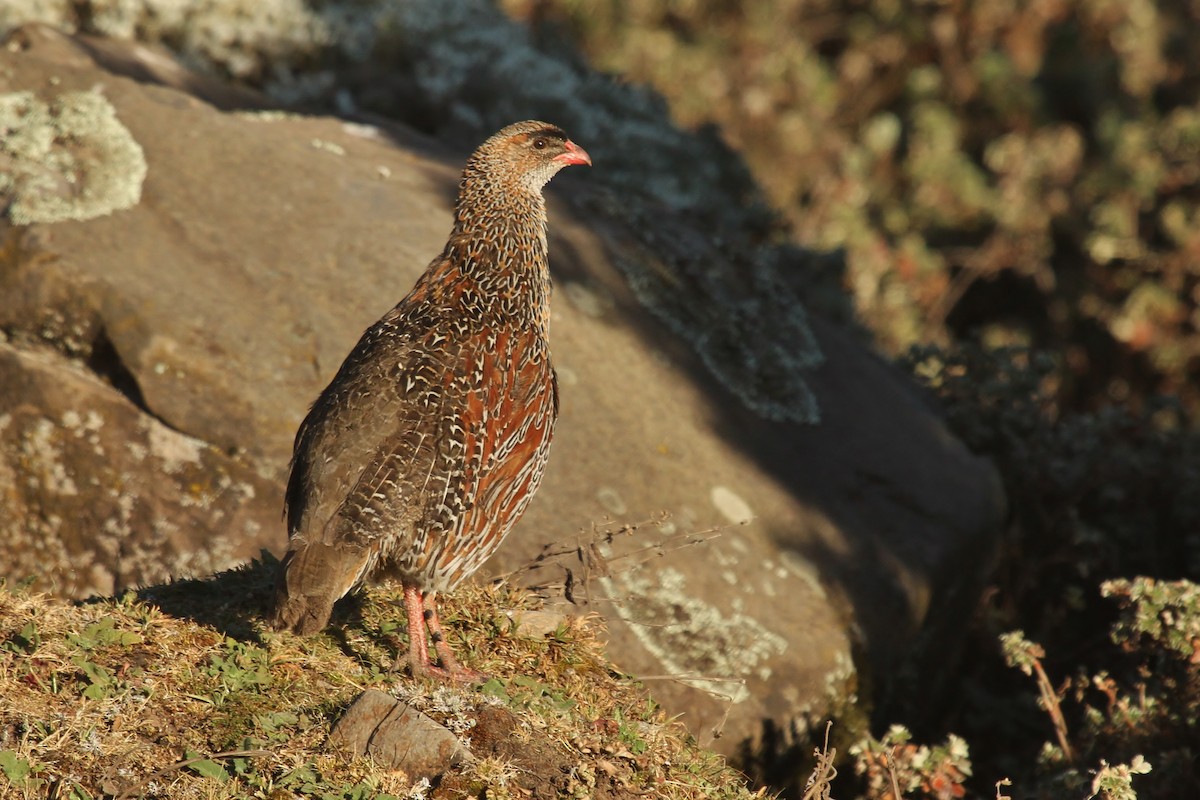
427,445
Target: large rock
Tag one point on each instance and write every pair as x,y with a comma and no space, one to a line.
99,496
262,244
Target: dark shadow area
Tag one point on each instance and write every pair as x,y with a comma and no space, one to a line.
238,602
235,602
105,361
780,760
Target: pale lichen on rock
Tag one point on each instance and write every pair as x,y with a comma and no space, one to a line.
41,447
692,638
175,450
731,505
69,158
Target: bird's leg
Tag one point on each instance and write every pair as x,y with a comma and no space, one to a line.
455,670
418,646
422,611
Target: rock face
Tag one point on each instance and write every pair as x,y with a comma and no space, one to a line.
177,343
99,496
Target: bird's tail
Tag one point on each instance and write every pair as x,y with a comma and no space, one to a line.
312,577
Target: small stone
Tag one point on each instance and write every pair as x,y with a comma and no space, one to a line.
533,624
397,736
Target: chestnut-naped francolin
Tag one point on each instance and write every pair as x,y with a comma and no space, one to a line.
428,444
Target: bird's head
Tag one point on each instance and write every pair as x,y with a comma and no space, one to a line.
529,152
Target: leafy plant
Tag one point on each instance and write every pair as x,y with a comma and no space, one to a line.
103,633
1094,496
16,769
629,733
99,682
205,767
238,668
893,763
523,692
24,642
1165,612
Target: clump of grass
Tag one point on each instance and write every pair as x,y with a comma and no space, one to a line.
162,695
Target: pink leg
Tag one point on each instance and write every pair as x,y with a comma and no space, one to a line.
418,645
457,671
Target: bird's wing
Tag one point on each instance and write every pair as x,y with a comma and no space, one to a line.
428,451
365,437
363,434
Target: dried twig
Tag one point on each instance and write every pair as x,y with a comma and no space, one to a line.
891,768
1054,709
582,560
820,782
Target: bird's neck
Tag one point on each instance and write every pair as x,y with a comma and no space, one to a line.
499,246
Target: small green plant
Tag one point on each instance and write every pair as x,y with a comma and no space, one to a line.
629,734
16,769
302,779
306,780
1027,656
238,668
523,692
103,633
24,642
276,725
1148,700
205,767
77,792
1116,782
1166,612
98,682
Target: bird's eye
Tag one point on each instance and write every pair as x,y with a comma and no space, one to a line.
539,143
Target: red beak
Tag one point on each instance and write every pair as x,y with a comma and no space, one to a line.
574,155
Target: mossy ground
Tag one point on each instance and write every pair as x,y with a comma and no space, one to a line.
182,691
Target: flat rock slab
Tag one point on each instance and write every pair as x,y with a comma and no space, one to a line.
397,736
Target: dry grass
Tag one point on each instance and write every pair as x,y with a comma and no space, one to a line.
181,691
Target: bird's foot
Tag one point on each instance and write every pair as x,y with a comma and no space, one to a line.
454,672
422,666
421,617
